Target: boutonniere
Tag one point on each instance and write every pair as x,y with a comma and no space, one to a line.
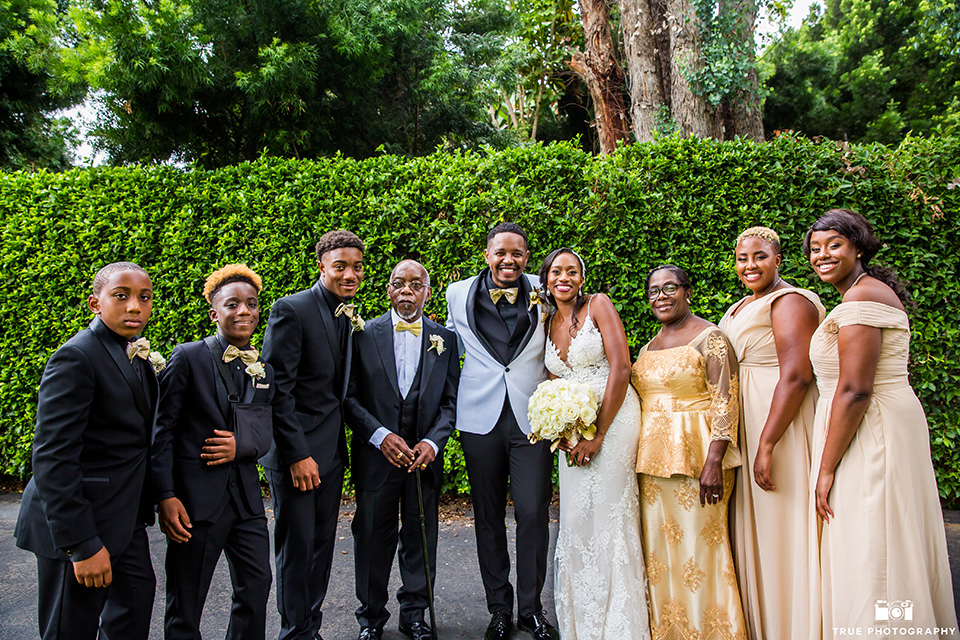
356,323
536,297
157,361
436,344
256,371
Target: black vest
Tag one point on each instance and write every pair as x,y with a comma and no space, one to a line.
409,407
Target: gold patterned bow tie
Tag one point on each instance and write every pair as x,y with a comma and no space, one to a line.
413,327
248,356
345,308
138,348
510,294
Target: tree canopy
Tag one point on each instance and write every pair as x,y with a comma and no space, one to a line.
868,70
33,85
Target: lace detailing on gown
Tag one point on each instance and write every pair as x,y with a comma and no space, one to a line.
600,582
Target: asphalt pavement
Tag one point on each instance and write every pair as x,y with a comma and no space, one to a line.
460,605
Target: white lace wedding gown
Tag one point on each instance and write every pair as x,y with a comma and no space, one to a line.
600,585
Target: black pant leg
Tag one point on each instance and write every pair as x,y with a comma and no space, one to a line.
304,534
248,556
129,606
375,545
66,609
531,489
487,458
413,595
190,566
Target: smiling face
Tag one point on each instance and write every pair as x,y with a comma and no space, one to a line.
564,278
666,307
757,264
124,302
506,255
834,257
413,291
341,271
236,310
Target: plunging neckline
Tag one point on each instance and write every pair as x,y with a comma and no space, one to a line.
556,351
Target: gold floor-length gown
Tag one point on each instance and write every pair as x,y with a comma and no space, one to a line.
689,397
771,533
884,552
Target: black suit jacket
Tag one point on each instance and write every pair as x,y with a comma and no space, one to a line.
193,402
90,449
373,397
311,372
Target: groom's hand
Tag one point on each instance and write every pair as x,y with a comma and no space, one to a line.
424,456
396,451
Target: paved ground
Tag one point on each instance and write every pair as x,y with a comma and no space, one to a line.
461,612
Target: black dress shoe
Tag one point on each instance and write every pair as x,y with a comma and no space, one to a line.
370,633
417,630
538,627
499,627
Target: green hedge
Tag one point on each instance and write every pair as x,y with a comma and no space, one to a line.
682,201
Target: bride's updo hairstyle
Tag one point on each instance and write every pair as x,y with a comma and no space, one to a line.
855,228
545,271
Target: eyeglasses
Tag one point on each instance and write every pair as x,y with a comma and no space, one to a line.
416,286
667,289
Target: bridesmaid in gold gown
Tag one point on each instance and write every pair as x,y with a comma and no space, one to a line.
688,384
770,331
882,557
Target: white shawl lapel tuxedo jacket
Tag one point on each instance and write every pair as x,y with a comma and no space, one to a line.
484,379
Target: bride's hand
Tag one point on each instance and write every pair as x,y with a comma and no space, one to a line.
585,451
565,445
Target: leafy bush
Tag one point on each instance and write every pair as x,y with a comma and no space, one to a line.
680,201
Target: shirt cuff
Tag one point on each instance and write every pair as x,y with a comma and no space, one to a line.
378,436
85,550
436,449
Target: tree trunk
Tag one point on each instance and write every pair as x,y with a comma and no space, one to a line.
600,71
746,115
646,82
690,111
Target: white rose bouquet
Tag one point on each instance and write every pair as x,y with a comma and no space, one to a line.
562,409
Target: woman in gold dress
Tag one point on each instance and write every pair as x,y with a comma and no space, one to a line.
770,331
883,555
688,384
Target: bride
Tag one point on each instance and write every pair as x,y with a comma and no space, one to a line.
600,582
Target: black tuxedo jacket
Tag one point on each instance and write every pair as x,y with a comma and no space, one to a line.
90,449
193,402
373,397
311,372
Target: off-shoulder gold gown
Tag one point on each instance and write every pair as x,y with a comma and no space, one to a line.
689,398
884,553
771,533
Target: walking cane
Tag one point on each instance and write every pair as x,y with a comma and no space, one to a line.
426,555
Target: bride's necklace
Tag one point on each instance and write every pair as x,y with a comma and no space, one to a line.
859,278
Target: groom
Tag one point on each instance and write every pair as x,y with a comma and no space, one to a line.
503,339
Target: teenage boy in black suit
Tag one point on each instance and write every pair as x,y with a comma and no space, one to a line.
401,405
84,511
213,423
308,343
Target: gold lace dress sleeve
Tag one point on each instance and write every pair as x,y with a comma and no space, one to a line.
723,385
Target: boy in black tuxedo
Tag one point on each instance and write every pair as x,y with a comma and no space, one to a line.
308,344
85,510
213,423
401,405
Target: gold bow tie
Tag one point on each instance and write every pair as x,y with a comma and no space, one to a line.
345,308
511,294
413,327
138,348
248,356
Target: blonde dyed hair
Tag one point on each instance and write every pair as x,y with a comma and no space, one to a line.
227,275
764,233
